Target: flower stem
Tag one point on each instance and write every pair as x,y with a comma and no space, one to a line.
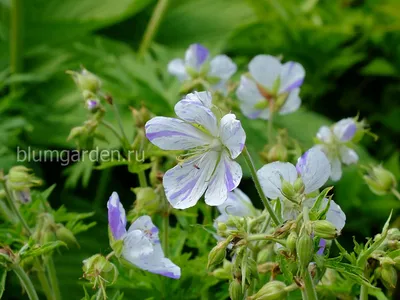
270,126
396,193
264,237
153,25
125,141
113,129
25,282
44,282
53,278
11,203
142,179
256,181
309,286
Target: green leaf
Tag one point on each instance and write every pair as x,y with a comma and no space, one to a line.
379,67
37,250
3,276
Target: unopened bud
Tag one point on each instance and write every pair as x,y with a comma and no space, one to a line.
141,116
217,254
379,180
288,190
235,290
291,241
76,132
65,235
389,276
277,152
92,104
97,267
325,229
305,249
273,290
222,227
86,80
147,200
299,186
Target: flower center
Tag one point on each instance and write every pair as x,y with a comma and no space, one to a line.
216,144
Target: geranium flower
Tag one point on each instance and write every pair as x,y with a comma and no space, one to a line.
197,63
334,143
270,84
310,173
141,242
212,145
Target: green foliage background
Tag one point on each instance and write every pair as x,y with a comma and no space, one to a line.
349,48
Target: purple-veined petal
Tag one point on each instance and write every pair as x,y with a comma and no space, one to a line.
335,215
292,102
336,169
157,263
249,96
292,76
345,129
314,169
271,175
347,155
145,224
136,245
193,110
177,68
116,216
195,56
237,204
324,134
203,98
186,183
226,178
232,134
175,134
265,69
222,67
321,247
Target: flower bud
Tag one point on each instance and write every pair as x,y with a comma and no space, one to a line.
217,254
20,179
225,272
222,227
299,186
65,235
288,190
325,229
86,80
305,249
389,276
277,152
97,267
92,104
273,290
141,116
291,241
76,132
379,180
147,200
397,262
235,290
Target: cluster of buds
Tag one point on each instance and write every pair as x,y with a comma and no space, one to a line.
20,180
148,201
140,116
284,148
379,180
99,271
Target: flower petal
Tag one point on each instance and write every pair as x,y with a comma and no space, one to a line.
335,215
232,134
195,56
292,103
192,110
336,169
136,245
226,177
237,204
203,98
292,76
265,69
271,176
348,155
324,134
175,134
249,96
314,168
177,68
345,129
185,184
222,67
145,224
116,216
157,263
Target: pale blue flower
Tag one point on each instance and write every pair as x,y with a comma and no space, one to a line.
213,144
141,242
270,84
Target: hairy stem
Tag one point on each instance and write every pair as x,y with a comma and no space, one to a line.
25,282
53,278
256,181
309,286
153,25
44,282
142,179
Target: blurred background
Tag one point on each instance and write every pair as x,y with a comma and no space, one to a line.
349,48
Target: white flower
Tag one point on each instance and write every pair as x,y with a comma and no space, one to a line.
213,145
334,143
313,169
141,242
197,63
270,84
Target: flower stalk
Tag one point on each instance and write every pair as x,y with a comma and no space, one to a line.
25,282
